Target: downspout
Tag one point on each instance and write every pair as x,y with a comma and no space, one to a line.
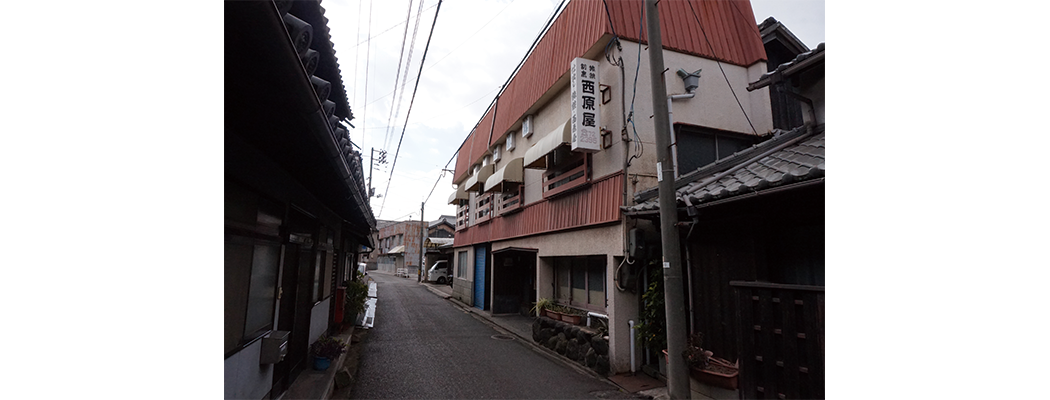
691,81
670,121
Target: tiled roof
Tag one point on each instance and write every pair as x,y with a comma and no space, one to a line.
802,61
790,157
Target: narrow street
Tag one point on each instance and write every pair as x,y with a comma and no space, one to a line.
423,346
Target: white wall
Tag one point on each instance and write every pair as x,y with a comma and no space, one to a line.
319,319
244,377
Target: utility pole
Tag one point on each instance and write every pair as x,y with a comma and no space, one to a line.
371,160
422,233
678,373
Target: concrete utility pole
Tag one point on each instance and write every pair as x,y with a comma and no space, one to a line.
422,234
678,372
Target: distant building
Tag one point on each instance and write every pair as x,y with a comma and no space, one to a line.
398,246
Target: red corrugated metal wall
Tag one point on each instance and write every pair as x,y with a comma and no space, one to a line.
598,204
729,26
463,160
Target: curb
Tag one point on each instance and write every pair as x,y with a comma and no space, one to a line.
550,354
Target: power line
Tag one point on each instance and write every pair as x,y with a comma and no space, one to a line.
410,104
720,66
472,35
368,58
554,14
387,29
408,64
397,77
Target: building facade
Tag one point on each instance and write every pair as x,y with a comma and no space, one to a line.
399,245
296,210
542,177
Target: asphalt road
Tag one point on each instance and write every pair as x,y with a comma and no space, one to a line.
424,347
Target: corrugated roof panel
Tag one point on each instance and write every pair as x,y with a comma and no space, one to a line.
463,160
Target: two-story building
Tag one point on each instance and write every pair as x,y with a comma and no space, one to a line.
543,175
296,209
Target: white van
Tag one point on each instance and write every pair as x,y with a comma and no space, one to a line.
439,272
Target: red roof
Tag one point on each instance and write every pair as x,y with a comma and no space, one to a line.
729,26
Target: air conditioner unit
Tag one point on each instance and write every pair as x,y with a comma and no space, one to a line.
526,126
274,347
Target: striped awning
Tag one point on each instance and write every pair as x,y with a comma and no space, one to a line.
473,184
510,173
459,194
536,156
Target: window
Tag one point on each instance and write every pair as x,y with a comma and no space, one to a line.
698,146
252,258
461,266
526,126
568,171
495,152
482,208
484,161
510,141
580,281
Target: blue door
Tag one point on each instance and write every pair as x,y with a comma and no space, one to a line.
479,277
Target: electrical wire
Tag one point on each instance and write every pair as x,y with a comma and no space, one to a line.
400,58
408,64
410,104
387,29
368,59
697,18
639,149
471,35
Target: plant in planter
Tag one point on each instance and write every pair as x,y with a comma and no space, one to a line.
325,350
542,305
651,332
572,315
708,369
356,295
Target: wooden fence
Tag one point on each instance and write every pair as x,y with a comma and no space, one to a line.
781,340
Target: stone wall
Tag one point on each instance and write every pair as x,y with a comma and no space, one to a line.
586,346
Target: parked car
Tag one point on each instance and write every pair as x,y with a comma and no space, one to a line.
439,272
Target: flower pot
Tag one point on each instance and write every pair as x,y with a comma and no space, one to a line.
572,319
719,372
322,363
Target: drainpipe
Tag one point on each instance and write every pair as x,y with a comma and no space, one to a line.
630,323
691,81
670,123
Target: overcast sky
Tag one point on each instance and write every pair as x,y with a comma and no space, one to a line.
476,45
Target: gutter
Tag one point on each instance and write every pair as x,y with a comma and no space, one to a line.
288,59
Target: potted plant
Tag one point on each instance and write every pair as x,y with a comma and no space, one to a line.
708,369
541,307
325,350
572,316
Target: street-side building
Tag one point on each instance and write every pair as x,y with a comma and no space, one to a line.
296,210
754,248
542,177
399,245
443,227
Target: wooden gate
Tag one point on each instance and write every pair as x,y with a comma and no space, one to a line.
781,340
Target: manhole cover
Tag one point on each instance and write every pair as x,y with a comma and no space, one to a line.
503,337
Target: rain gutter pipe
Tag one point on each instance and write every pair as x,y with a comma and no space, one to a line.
670,124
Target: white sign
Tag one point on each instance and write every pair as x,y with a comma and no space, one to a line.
586,117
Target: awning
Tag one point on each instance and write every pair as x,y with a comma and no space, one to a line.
510,173
397,249
459,194
473,184
536,158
